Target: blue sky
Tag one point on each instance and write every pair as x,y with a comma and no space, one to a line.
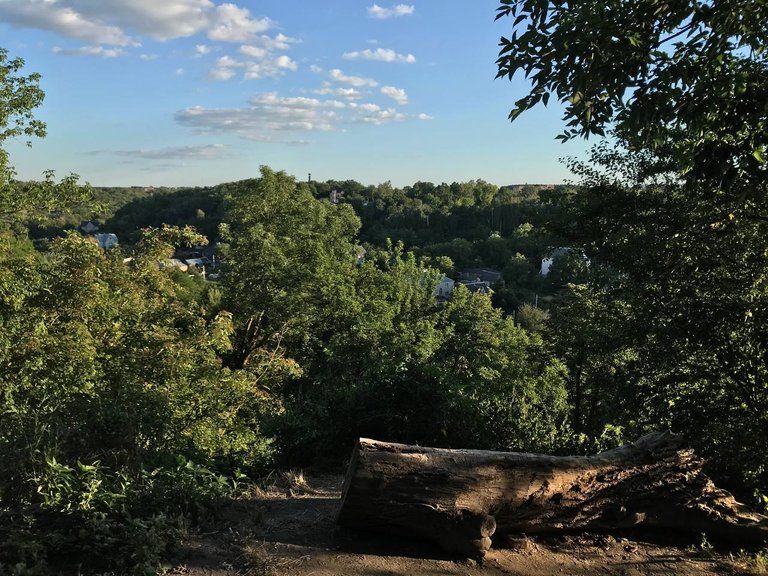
198,92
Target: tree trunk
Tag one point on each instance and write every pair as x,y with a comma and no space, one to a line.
460,498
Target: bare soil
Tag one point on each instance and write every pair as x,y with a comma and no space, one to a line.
287,528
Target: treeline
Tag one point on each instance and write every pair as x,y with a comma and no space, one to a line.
456,226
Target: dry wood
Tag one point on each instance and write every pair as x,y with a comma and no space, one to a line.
460,498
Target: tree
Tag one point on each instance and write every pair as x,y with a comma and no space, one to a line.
19,96
288,264
113,399
675,208
686,80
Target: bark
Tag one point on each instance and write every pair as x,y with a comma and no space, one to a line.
460,498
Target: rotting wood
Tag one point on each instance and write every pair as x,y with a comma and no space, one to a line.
460,498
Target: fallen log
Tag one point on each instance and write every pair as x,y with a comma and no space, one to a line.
460,498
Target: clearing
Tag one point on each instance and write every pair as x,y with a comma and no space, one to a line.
287,528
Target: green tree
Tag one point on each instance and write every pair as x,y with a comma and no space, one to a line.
108,372
685,80
113,399
19,96
675,209
289,261
487,383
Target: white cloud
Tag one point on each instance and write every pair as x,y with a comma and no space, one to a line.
286,63
159,20
367,107
268,68
314,68
202,49
380,55
424,116
348,93
397,94
221,73
119,22
268,118
224,69
253,51
379,117
272,117
234,24
278,42
274,99
179,71
202,152
63,19
98,51
381,13
227,67
148,57
356,81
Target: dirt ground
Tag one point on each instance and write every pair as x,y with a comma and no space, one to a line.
287,528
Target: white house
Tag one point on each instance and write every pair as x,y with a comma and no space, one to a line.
106,241
444,288
546,263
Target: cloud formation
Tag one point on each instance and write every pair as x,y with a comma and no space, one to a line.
61,19
258,63
396,11
202,152
271,117
397,94
347,93
356,81
119,22
234,24
380,55
379,116
267,118
98,51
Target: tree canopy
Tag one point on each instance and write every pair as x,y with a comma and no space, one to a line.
673,209
686,80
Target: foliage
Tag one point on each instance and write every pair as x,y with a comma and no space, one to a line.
108,375
685,80
19,96
287,263
672,213
692,283
487,383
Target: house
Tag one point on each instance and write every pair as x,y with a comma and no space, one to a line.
546,263
106,241
89,226
335,196
479,286
480,276
173,263
195,262
444,288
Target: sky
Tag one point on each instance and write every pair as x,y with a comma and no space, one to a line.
200,92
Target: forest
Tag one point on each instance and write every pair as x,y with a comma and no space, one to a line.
136,397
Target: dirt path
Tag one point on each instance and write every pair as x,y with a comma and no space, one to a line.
288,529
